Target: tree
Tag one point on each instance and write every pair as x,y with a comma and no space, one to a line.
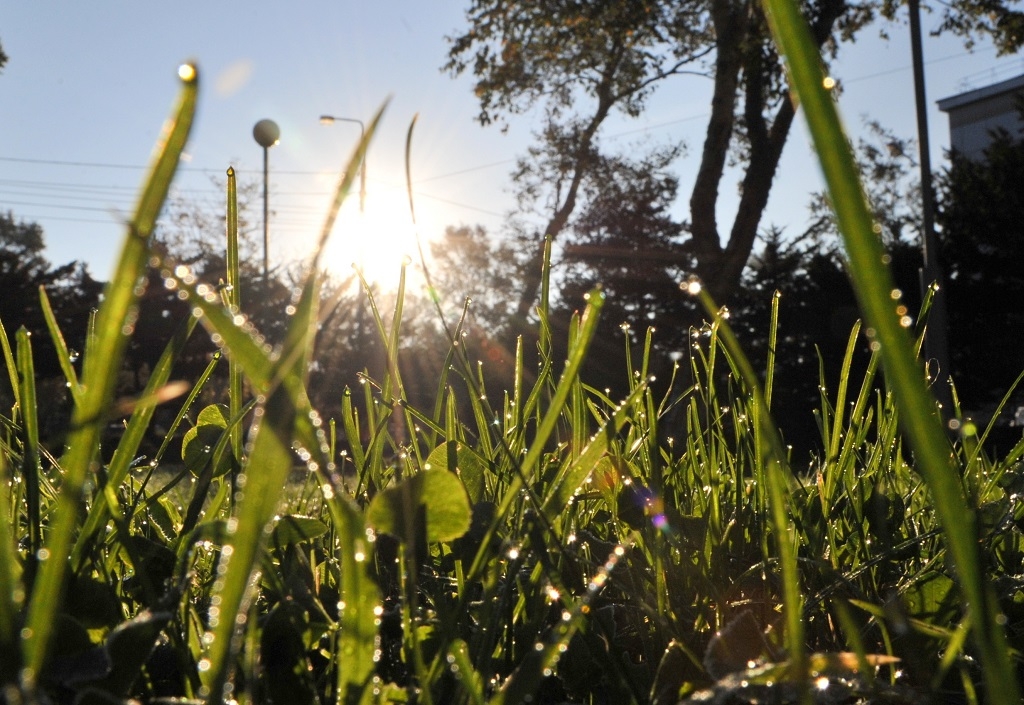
982,245
467,262
72,291
581,62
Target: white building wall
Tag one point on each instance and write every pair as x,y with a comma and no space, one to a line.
974,115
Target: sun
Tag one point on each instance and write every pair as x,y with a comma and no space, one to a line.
376,241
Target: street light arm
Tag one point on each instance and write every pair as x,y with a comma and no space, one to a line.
330,120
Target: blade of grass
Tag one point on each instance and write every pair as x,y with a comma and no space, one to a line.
10,659
112,330
359,599
588,327
270,462
12,367
30,466
873,284
571,476
773,456
131,439
233,299
63,355
285,414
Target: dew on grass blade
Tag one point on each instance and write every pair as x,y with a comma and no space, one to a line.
691,286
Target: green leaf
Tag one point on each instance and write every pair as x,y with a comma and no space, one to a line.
294,528
197,447
933,598
438,494
63,354
464,462
31,468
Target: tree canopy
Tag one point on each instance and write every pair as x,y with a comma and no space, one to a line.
578,63
982,246
72,291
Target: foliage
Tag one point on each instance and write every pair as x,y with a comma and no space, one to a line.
24,269
887,328
982,244
581,65
582,62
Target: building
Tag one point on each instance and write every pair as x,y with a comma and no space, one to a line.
975,114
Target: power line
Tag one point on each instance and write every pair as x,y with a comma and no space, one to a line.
459,172
121,193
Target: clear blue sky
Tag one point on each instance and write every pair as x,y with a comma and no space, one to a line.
88,86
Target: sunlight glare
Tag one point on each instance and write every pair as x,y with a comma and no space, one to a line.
377,241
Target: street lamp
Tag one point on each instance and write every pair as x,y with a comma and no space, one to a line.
936,339
267,134
330,120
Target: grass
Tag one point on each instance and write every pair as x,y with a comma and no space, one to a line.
553,545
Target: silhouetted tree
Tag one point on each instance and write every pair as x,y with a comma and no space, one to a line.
72,291
581,63
982,245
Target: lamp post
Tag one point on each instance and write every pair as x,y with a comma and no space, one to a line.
330,120
936,340
267,134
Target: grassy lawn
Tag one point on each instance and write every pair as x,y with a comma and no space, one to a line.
554,545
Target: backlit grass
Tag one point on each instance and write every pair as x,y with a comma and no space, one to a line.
552,545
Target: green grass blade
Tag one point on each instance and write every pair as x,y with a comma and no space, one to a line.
63,355
10,658
112,329
30,467
233,299
873,284
12,367
588,328
285,415
131,439
572,475
773,456
773,340
269,464
359,598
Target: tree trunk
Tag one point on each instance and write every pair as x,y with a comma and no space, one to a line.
722,271
533,273
730,31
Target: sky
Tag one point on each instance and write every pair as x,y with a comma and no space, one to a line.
88,86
